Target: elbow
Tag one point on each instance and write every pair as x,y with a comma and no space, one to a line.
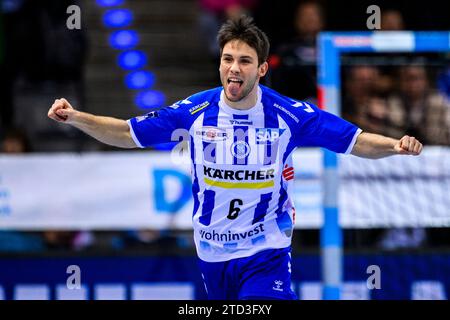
127,146
128,142
124,141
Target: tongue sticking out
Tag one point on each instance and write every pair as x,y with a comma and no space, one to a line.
234,87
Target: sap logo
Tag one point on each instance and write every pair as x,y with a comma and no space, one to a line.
268,134
211,134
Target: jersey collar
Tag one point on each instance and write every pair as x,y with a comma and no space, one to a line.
257,107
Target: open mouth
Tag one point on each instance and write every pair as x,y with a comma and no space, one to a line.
235,81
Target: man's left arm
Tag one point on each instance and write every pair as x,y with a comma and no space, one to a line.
375,146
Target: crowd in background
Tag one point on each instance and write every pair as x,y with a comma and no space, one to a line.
391,100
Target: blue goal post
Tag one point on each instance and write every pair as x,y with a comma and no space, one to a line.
331,46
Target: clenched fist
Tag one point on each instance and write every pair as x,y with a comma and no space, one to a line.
409,146
61,111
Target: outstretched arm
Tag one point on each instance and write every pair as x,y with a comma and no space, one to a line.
108,130
375,146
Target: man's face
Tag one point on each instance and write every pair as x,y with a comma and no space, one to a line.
413,81
11,145
309,20
362,80
239,70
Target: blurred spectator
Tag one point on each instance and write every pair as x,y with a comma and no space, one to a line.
15,141
146,238
165,238
414,108
417,109
421,112
215,12
294,63
361,105
403,238
392,20
68,240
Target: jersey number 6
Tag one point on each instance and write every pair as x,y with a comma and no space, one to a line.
234,210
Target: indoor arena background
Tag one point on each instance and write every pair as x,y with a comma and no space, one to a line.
81,220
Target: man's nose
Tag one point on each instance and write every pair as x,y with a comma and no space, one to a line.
235,67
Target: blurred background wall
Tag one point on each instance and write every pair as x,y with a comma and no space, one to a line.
171,54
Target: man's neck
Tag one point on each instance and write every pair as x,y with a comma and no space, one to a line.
247,103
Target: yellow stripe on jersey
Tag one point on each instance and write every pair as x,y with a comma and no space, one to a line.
201,108
240,185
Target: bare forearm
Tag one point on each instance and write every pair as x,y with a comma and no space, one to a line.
108,130
375,146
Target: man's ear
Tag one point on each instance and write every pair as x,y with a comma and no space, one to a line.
263,68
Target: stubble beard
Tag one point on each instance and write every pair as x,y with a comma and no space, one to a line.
245,92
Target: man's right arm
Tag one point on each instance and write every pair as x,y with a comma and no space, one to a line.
112,131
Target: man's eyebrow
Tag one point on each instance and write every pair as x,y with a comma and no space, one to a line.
241,57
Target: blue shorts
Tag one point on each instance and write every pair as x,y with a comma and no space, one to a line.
265,275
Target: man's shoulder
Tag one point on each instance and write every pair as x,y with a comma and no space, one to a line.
293,108
198,101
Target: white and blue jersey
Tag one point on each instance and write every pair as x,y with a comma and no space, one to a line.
242,172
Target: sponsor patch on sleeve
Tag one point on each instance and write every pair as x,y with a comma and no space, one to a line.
198,107
151,114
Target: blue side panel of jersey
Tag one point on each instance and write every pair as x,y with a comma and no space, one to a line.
195,185
261,207
284,220
208,207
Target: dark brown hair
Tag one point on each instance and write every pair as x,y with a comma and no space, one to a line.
244,29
